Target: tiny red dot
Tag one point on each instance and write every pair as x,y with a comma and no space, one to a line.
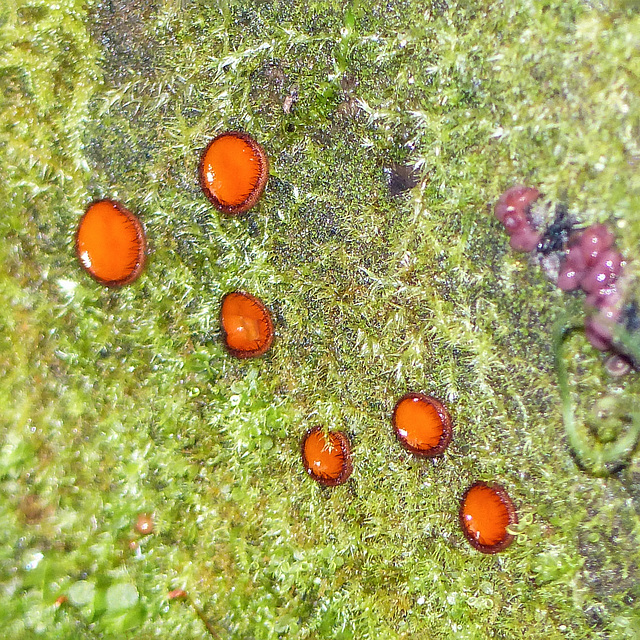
144,524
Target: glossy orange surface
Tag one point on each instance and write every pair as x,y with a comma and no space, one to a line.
422,424
246,324
327,457
233,172
485,513
110,244
144,524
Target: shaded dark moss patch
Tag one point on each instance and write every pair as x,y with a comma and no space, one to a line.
122,28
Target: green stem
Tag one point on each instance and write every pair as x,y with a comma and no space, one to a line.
598,458
629,343
200,614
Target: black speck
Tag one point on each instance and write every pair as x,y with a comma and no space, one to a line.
400,178
557,234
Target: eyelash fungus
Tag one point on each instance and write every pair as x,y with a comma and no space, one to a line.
110,244
486,512
422,425
327,458
246,325
233,172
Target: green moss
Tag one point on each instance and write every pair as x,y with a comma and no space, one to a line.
121,402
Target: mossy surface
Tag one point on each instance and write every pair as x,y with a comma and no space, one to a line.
391,129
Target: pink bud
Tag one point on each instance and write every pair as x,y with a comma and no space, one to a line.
514,221
604,272
594,240
618,365
575,258
568,278
599,327
603,298
525,240
518,198
594,333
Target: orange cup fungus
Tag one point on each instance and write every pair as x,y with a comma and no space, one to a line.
422,425
486,510
327,457
110,244
144,524
233,172
246,324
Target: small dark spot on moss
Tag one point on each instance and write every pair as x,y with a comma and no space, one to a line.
121,28
33,510
400,178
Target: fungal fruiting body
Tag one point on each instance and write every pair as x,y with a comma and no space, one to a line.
327,457
233,172
513,210
110,243
144,524
246,325
486,512
422,424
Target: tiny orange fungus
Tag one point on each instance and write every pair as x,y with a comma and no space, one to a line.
111,244
422,424
327,457
486,512
233,172
246,324
144,524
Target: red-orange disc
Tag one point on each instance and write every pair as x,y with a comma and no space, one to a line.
144,524
327,457
486,510
422,424
246,325
110,243
233,172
